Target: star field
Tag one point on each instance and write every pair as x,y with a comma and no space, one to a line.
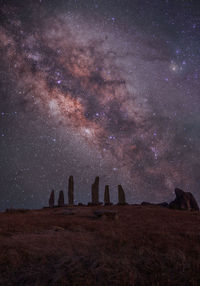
108,88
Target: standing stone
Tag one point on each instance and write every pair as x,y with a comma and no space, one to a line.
51,199
184,201
61,199
71,190
121,196
95,191
106,196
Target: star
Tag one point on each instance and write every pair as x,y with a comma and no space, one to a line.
87,92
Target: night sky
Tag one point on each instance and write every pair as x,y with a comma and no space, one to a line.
102,87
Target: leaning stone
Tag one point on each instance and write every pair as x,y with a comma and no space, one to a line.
184,201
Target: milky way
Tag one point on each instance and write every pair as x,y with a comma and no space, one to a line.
108,88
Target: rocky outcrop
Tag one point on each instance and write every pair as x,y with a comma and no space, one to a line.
121,196
61,199
95,191
164,204
51,199
71,190
107,196
184,201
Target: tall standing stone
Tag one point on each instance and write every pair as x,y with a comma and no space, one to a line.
71,190
95,191
106,196
61,199
121,196
51,199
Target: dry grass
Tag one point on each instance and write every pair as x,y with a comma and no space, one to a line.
144,246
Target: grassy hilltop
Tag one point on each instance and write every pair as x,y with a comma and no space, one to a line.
145,245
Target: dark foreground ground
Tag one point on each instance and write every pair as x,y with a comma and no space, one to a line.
145,246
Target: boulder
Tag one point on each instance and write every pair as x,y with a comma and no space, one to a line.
106,214
184,201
